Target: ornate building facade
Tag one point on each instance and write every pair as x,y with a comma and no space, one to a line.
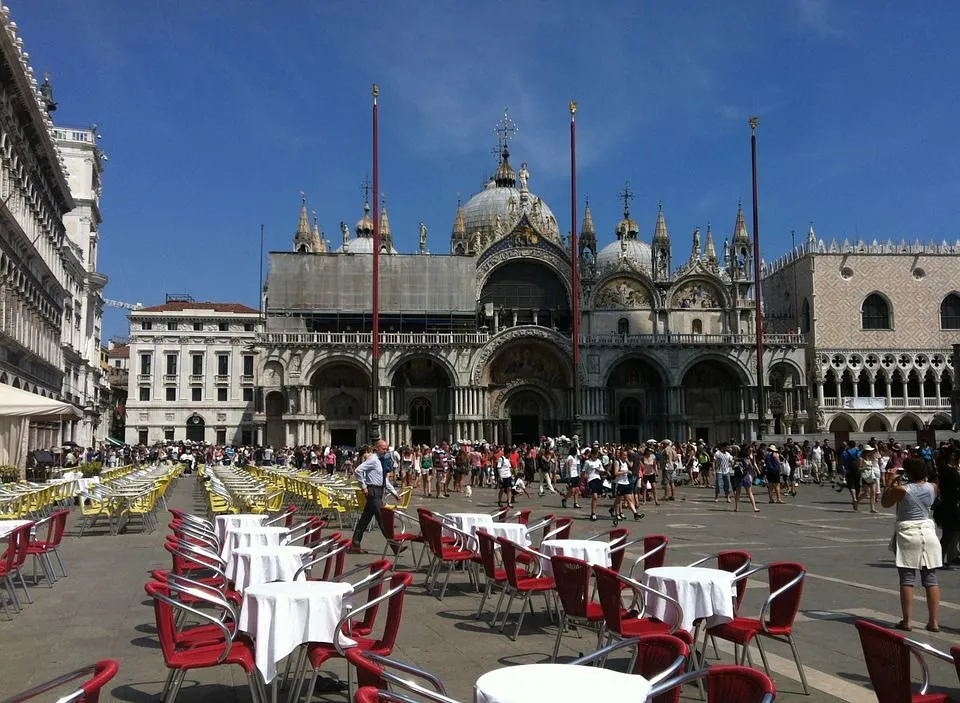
477,344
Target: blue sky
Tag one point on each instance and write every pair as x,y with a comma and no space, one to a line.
215,115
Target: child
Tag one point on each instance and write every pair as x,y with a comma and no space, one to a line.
519,486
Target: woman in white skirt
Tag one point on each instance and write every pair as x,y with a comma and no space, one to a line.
915,542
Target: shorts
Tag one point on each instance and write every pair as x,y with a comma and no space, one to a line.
506,484
854,481
668,477
595,487
773,478
908,577
571,480
623,489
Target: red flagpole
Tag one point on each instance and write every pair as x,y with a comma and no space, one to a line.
577,425
761,397
375,380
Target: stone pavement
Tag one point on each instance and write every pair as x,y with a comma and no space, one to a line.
101,610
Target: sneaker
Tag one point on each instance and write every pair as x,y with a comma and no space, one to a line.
563,502
638,516
593,517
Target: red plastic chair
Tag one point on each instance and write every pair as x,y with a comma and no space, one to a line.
88,692
521,585
374,671
776,616
372,694
212,650
735,561
887,655
41,550
396,540
724,683
7,561
13,560
654,554
319,653
622,624
494,576
441,554
657,658
504,515
376,571
572,577
562,528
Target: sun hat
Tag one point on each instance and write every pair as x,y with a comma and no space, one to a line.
869,448
773,448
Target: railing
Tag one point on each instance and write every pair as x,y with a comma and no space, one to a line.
169,378
635,340
246,379
365,339
196,378
222,378
144,378
848,403
75,135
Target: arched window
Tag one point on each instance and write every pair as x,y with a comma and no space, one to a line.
623,326
629,411
875,313
421,413
805,316
950,312
698,326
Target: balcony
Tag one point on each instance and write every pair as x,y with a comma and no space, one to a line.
118,377
872,404
365,339
222,379
246,380
144,378
196,379
169,378
658,340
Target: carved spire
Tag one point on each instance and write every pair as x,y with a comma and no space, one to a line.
710,253
386,237
46,93
660,233
740,234
811,236
458,237
588,233
316,238
302,240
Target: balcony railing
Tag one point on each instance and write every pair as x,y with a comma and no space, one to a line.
447,339
169,378
222,379
144,378
196,378
868,404
246,380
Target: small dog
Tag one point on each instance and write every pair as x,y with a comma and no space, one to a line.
468,491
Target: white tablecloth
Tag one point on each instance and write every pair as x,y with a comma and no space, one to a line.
589,550
241,520
249,536
249,566
8,526
513,531
702,593
283,615
558,683
469,522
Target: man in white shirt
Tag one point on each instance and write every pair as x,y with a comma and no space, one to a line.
505,477
816,460
722,468
572,479
593,468
373,482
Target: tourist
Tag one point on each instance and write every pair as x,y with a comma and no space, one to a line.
816,461
572,478
426,469
372,476
745,470
722,469
947,510
546,467
870,475
593,471
648,481
915,541
669,470
505,475
772,470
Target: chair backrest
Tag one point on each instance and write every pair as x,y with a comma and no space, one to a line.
399,580
655,654
888,662
432,531
488,553
784,608
651,542
572,577
955,653
508,552
23,542
332,568
88,692
374,592
9,556
608,591
738,683
734,560
291,511
388,519
617,537
523,517
563,527
60,526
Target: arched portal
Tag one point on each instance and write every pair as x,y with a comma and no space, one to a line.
636,393
421,397
274,406
876,423
525,293
712,397
527,413
341,392
196,428
842,423
909,423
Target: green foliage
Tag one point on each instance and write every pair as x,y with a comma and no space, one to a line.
90,470
9,474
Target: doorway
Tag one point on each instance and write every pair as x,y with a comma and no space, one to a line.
345,439
525,429
420,435
195,428
629,435
702,433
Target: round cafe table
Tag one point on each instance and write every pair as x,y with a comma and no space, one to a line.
250,566
238,521
468,522
281,616
557,683
594,552
253,536
703,593
513,531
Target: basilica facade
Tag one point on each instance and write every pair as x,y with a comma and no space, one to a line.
477,344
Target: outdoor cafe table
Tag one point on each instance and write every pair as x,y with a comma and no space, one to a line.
8,526
513,531
249,566
468,522
558,683
706,595
281,616
238,521
251,536
594,552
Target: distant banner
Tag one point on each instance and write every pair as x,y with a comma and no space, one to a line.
864,403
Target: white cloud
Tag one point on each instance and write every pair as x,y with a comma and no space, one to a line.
817,16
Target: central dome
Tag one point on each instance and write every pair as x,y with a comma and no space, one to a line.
633,249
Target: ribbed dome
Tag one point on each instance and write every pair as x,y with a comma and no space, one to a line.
635,250
480,212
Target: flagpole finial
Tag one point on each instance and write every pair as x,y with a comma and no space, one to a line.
753,122
573,107
376,91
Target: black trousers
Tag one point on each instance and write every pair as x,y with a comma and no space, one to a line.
371,511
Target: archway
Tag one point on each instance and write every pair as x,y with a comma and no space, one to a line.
941,421
16,383
274,406
421,392
526,293
527,416
713,401
876,423
842,423
637,400
784,397
341,392
909,423
196,428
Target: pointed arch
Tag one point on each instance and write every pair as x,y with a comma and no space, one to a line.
950,312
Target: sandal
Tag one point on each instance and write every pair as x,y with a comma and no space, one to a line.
933,628
903,626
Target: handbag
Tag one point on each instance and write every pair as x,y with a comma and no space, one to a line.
867,475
